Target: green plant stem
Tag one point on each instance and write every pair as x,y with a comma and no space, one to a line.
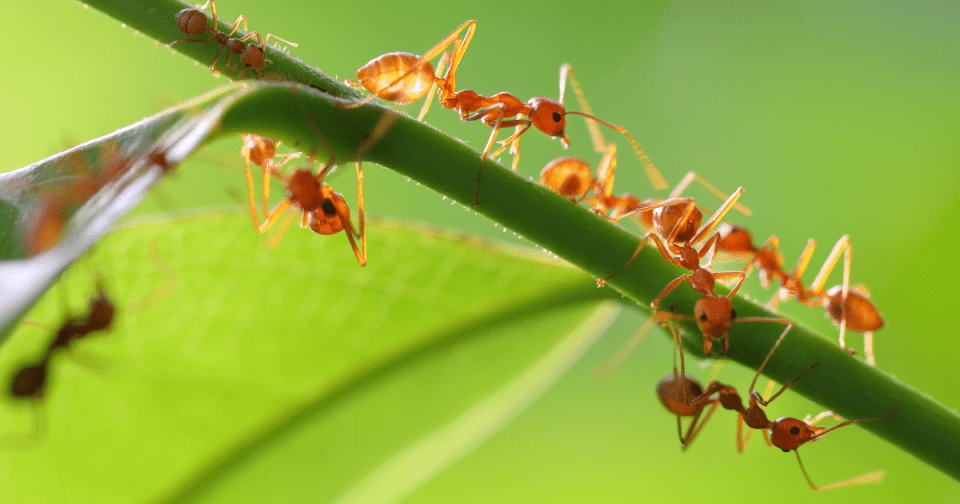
842,383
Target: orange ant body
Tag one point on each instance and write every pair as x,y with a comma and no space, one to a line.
847,308
193,22
404,77
786,433
324,210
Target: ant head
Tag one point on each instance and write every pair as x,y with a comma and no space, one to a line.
671,396
714,316
252,57
327,219
567,176
790,433
666,218
860,312
192,21
258,149
549,116
29,381
303,188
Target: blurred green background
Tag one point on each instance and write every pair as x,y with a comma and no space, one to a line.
836,118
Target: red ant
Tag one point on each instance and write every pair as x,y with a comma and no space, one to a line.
324,211
847,308
402,77
786,433
193,22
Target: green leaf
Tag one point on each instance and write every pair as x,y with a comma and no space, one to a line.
260,361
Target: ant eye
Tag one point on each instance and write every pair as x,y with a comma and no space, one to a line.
703,316
328,207
785,450
794,430
733,314
557,117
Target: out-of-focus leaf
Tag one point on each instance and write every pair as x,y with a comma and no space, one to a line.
292,372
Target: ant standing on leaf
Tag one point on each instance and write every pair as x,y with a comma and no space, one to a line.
193,22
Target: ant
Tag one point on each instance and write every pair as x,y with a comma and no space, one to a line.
261,151
324,211
848,308
402,77
786,433
30,381
193,22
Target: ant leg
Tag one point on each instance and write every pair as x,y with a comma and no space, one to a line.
714,219
776,344
595,136
250,36
874,477
236,25
444,58
842,245
691,177
213,66
611,365
266,41
274,215
868,347
651,235
486,150
450,78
